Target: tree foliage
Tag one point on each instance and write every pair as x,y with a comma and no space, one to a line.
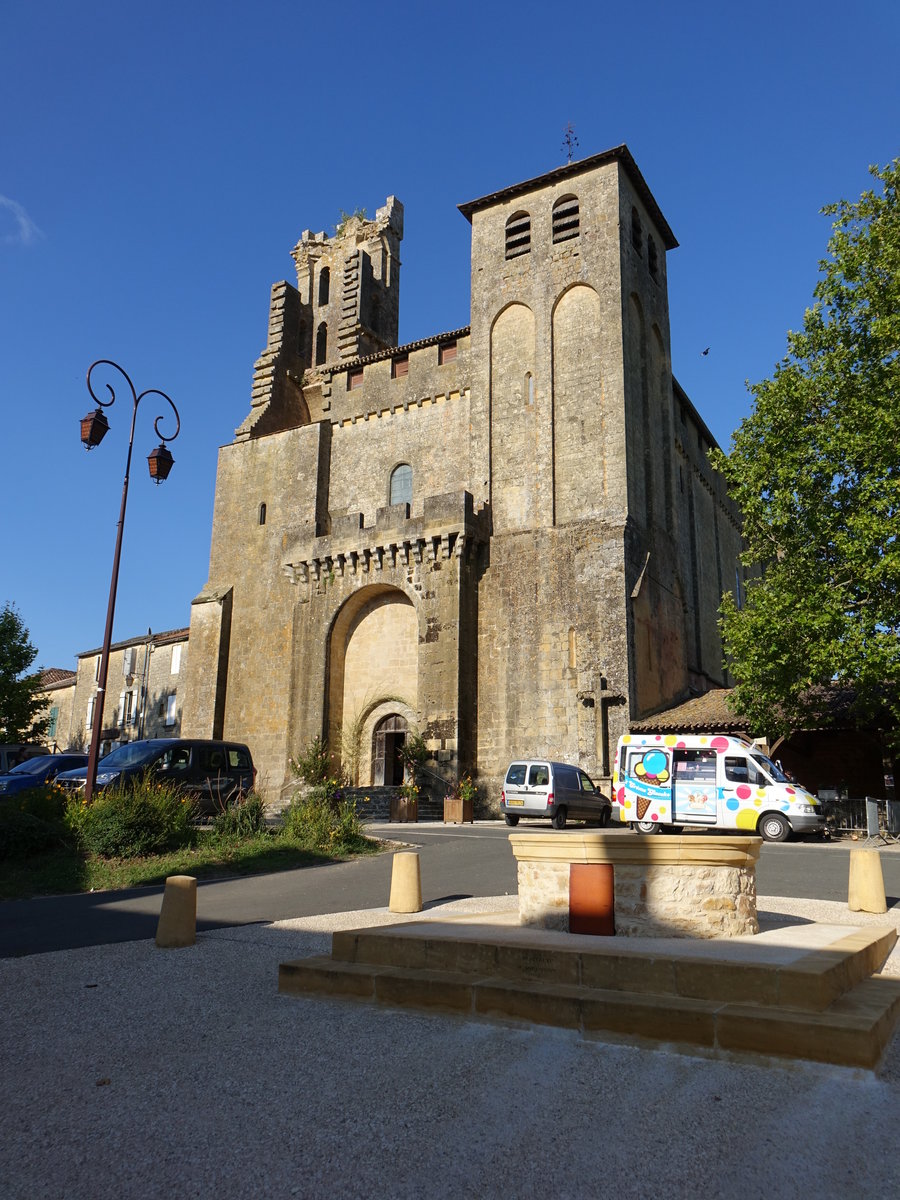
21,700
815,469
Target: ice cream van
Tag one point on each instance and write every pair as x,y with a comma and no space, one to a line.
693,781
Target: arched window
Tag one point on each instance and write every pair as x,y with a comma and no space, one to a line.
401,484
321,344
566,220
262,514
518,235
324,286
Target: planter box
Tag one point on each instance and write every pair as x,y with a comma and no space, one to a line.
404,810
457,811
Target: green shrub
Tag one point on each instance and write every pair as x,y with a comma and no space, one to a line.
244,818
312,765
32,821
324,819
146,818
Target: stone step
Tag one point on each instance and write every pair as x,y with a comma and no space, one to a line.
761,970
790,1007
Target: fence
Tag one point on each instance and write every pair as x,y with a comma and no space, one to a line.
869,816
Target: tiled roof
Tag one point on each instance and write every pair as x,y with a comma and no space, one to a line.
335,368
158,639
56,677
710,711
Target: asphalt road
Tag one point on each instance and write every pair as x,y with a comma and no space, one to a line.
455,862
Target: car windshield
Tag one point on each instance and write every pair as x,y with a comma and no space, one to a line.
132,754
32,766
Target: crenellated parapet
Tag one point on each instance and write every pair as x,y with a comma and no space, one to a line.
447,530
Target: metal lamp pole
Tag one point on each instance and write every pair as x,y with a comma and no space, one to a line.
93,429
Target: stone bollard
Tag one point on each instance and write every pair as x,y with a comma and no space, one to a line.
178,916
866,882
406,883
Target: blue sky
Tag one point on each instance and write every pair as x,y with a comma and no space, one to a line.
158,162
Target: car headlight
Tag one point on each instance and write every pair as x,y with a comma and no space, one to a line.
106,777
808,808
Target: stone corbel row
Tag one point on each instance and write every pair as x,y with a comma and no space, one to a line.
372,559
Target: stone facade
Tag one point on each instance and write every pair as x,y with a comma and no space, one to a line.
144,693
507,536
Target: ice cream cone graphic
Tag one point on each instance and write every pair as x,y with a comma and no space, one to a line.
643,803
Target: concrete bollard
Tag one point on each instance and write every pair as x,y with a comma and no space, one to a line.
178,916
406,883
866,882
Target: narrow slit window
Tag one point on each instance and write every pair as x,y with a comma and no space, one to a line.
262,514
529,388
566,219
652,258
637,233
321,344
518,235
324,286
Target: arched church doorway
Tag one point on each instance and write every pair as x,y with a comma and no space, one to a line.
388,740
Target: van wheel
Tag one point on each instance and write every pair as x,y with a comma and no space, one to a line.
648,826
558,821
773,828
511,818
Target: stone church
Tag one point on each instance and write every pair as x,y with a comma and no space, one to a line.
506,537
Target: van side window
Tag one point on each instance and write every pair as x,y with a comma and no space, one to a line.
739,770
695,766
238,757
539,775
515,776
586,783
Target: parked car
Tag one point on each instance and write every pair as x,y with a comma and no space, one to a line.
35,772
13,753
541,788
213,773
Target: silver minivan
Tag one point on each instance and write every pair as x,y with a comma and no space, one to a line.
541,788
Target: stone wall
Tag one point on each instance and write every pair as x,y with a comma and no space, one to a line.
700,887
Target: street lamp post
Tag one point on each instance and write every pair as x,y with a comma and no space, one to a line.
93,429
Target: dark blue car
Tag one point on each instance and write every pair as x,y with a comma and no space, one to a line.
35,772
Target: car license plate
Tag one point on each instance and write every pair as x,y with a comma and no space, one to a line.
511,803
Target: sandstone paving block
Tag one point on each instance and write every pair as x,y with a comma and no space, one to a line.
539,1003
424,989
658,1018
326,977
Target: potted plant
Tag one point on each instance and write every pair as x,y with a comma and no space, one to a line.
405,804
459,806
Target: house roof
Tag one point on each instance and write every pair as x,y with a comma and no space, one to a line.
710,711
54,677
830,708
335,368
620,154
158,639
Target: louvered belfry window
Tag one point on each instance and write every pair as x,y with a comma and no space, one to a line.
518,235
566,220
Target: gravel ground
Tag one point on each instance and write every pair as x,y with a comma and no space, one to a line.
129,1071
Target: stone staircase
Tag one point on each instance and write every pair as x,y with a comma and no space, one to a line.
374,803
806,992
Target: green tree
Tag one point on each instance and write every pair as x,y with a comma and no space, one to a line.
20,693
815,469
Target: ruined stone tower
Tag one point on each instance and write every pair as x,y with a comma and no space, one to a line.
507,536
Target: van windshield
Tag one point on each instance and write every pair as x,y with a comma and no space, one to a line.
132,754
769,768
